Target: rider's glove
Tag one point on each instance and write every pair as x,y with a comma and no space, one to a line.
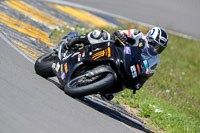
122,37
70,42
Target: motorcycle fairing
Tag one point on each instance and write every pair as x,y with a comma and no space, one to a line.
88,55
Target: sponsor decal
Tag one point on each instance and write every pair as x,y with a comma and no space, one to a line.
133,71
57,66
66,68
80,48
61,68
62,76
146,65
83,54
138,86
98,55
138,68
127,50
102,53
79,57
108,52
140,44
147,71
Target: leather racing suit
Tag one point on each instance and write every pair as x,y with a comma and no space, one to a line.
131,37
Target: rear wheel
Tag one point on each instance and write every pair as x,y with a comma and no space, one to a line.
43,65
84,85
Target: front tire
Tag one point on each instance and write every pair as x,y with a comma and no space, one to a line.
99,85
43,65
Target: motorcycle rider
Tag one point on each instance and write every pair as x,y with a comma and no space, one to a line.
156,38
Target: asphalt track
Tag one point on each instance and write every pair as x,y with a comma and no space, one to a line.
182,16
29,103
32,104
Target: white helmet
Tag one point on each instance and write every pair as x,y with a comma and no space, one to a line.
158,38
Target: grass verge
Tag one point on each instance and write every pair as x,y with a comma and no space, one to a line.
170,100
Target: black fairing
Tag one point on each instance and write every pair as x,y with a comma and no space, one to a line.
129,60
88,57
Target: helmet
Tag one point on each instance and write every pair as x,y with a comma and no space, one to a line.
158,38
97,34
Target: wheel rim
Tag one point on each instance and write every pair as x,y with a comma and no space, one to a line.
83,80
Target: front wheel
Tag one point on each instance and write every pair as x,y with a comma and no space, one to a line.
43,65
82,86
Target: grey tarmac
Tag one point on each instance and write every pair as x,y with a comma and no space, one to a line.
181,16
31,104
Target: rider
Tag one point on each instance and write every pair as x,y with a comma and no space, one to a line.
156,38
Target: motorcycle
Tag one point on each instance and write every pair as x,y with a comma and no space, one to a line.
102,68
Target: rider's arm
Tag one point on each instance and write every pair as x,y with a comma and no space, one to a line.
97,36
119,37
127,37
78,40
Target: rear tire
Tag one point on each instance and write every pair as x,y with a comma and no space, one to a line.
98,86
43,65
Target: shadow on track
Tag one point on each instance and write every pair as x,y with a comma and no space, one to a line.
108,111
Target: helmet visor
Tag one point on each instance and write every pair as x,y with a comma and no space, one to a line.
158,48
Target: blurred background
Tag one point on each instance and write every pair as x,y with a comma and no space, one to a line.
178,15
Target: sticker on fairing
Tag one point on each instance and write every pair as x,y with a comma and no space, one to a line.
133,71
127,50
147,71
79,57
140,44
61,68
62,76
83,54
66,68
146,65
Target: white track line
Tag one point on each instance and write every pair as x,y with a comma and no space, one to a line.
15,47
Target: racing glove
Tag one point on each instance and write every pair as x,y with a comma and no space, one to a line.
70,42
122,37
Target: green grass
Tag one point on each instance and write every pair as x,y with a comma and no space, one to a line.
160,113
174,89
58,34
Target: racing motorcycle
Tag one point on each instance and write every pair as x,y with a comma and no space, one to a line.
102,68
